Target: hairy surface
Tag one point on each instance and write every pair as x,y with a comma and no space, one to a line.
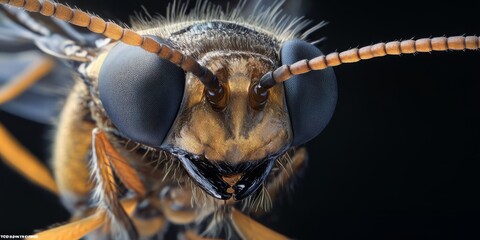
268,20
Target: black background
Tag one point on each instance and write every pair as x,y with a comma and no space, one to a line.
400,158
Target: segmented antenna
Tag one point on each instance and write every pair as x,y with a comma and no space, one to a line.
259,92
215,92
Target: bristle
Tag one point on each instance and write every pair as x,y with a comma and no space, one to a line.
269,20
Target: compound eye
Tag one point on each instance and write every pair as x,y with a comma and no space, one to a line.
311,97
140,92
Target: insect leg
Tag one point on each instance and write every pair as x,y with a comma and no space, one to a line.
124,171
12,152
147,226
20,159
251,229
76,229
26,79
106,191
81,227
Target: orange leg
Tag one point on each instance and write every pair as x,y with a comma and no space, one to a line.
11,151
124,171
251,229
106,190
20,159
26,79
82,227
74,230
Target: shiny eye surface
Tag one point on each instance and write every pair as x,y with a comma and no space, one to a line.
311,97
141,93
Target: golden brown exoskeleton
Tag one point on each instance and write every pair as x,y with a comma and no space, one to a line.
226,146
